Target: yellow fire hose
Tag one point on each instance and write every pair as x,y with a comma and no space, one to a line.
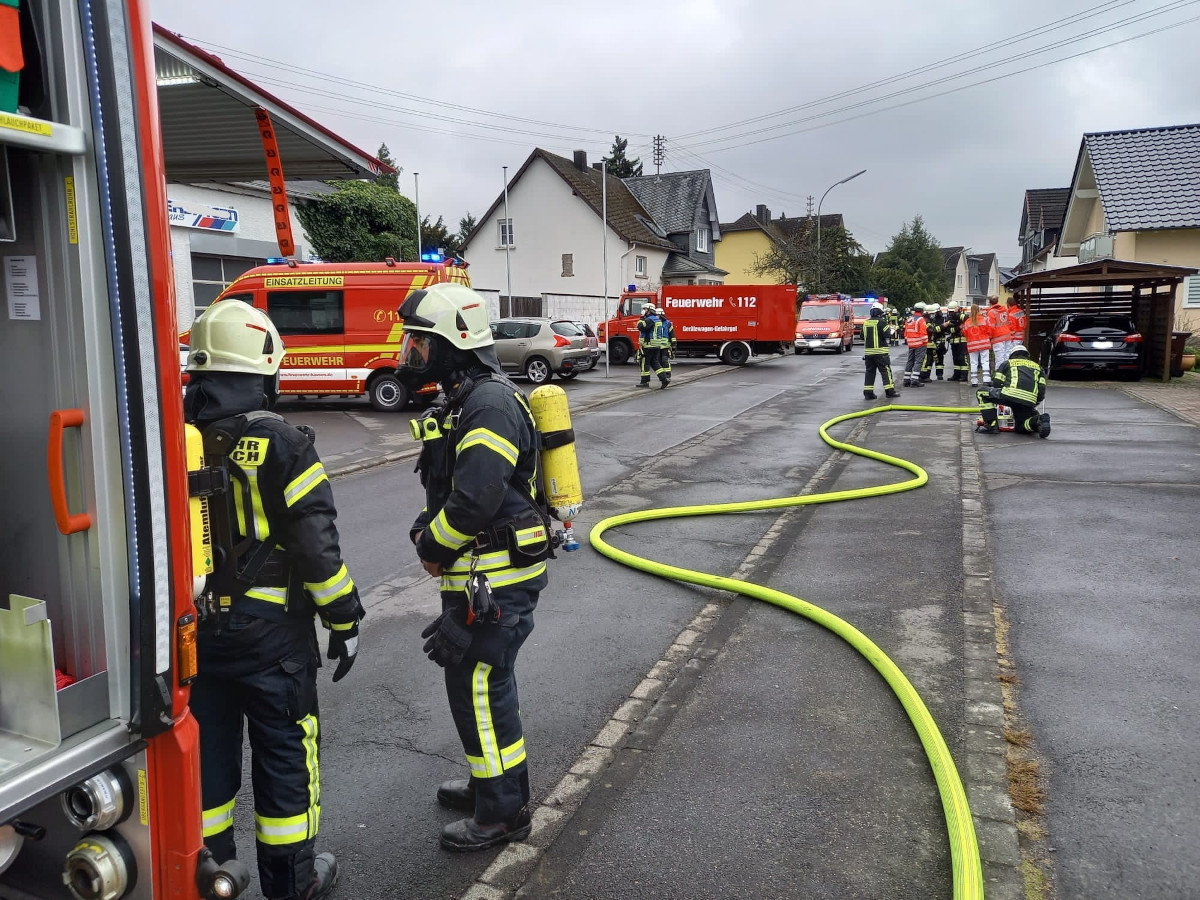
964,850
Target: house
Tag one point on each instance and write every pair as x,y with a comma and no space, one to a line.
983,278
752,236
959,271
684,206
1135,195
546,247
1041,222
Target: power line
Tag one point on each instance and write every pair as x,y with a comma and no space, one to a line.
949,91
950,60
271,63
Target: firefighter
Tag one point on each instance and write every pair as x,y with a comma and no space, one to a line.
1019,383
933,336
258,651
978,335
893,323
957,341
661,342
645,328
876,355
915,337
484,534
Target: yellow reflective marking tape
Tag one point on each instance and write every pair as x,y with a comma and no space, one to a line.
483,721
29,126
143,798
278,281
72,212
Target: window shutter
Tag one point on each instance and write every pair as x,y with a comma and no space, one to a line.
1190,291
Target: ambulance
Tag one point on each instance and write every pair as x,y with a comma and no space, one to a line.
341,326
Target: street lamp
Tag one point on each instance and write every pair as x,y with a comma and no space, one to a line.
508,242
827,190
417,201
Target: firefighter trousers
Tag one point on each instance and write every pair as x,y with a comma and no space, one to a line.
643,355
881,363
959,351
265,675
912,367
482,692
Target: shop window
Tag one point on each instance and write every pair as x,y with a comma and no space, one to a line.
211,275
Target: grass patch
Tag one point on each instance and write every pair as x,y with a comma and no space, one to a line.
1008,678
1035,881
1018,737
1031,830
1024,784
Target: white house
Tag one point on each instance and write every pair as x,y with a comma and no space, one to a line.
550,245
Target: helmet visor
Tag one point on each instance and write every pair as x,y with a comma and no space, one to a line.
417,351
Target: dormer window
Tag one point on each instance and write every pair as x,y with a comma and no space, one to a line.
702,235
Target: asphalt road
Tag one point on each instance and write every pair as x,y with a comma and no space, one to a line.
786,769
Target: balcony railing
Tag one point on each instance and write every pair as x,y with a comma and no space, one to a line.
1096,246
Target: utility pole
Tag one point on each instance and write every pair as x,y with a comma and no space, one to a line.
660,153
417,201
507,232
604,254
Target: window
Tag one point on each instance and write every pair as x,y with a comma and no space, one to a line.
708,281
1190,291
702,240
639,266
566,329
506,233
568,261
306,312
212,274
960,279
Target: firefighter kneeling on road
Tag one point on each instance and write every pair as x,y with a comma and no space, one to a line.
483,533
876,355
277,564
1019,383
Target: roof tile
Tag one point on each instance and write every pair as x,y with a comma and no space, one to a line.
1148,178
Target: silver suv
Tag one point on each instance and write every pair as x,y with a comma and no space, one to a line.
538,348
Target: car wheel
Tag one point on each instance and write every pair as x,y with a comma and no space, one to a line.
567,376
537,370
841,348
619,353
387,394
799,351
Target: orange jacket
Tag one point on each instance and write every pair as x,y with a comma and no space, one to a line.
997,317
914,331
979,336
1016,323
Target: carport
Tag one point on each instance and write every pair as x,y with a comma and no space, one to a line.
1144,291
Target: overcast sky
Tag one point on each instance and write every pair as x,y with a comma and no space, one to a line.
584,72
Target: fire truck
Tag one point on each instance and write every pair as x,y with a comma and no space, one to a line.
731,321
99,773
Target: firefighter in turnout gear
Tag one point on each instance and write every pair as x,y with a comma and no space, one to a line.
661,343
894,330
915,337
1019,383
278,565
933,336
957,341
645,329
484,534
876,355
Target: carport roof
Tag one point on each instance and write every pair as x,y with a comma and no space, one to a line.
209,133
1102,272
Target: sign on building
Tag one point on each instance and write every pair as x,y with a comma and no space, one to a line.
208,218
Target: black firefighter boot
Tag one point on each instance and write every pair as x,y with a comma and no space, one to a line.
467,835
892,392
1044,425
326,870
868,395
457,793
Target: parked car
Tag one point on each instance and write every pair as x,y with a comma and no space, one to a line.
540,348
592,343
1088,342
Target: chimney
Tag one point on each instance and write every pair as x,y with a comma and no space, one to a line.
581,160
763,215
599,167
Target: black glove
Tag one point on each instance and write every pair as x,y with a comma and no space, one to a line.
343,646
448,639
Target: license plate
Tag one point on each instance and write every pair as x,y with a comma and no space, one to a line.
815,343
1102,345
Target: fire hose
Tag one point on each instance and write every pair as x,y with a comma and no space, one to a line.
966,867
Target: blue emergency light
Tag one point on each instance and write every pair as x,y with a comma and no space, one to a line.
276,260
431,257
631,289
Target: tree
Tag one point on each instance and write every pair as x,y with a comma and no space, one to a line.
792,259
465,226
392,179
362,222
912,269
619,164
435,236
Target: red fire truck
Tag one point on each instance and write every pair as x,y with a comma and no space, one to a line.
99,773
732,321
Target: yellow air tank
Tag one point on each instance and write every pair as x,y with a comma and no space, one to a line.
560,467
199,523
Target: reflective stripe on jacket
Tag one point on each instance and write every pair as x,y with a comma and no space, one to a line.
1020,381
914,331
979,336
874,342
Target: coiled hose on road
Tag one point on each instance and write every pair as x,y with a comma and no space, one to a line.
964,849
